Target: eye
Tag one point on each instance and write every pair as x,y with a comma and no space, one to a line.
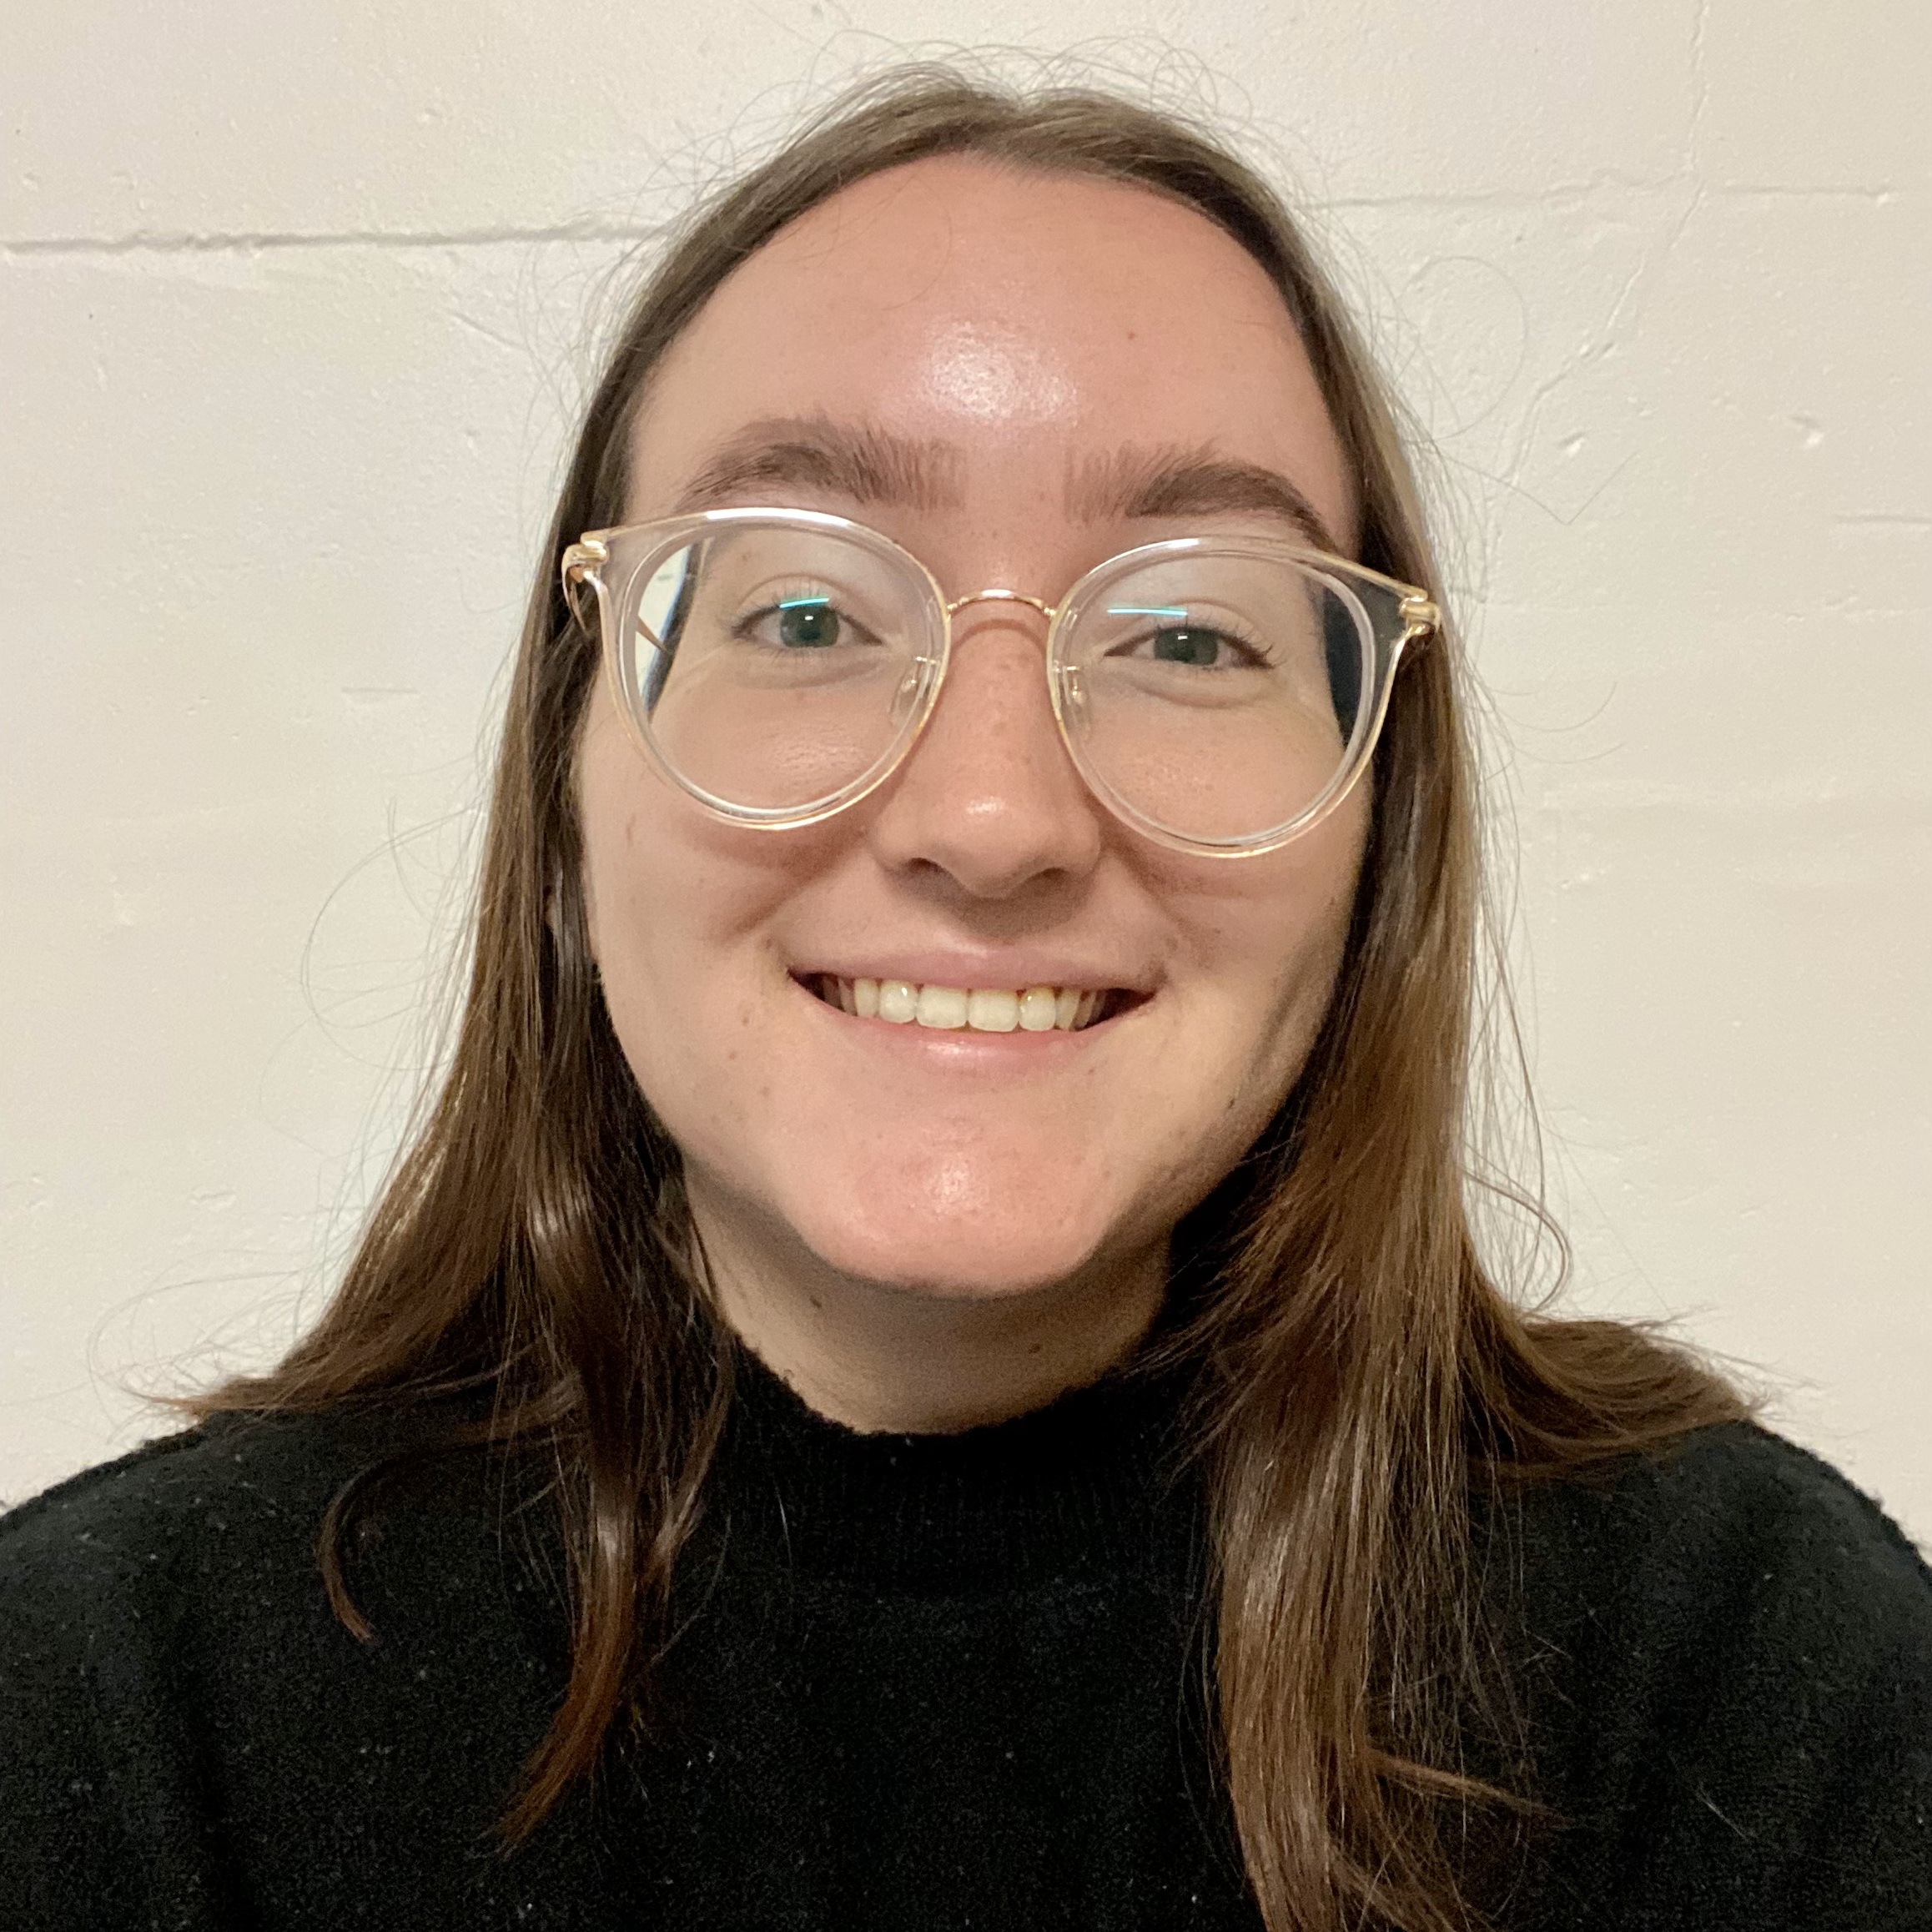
1181,640
807,624
808,621
1192,644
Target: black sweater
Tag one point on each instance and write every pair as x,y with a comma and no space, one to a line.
921,1682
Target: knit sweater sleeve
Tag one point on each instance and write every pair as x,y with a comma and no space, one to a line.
191,1742
88,1834
1730,1687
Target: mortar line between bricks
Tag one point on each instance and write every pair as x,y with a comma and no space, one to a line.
185,242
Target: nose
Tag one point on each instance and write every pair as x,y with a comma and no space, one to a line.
988,796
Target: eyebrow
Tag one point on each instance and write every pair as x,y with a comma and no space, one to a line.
869,465
1168,481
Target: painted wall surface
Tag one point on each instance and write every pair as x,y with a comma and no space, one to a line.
295,304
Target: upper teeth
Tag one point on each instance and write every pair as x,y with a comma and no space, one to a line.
985,1009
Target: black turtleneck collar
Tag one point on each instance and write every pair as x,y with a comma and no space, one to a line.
1090,1484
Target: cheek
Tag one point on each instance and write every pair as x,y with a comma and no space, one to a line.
1270,945
681,913
660,919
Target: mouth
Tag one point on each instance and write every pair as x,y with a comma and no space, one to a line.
973,1010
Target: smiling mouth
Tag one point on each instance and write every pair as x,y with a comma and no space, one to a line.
975,1010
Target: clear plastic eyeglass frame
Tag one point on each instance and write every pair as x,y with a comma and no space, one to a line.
1388,614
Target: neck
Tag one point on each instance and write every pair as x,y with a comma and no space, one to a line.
884,1357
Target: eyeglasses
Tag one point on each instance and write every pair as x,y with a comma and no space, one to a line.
1220,694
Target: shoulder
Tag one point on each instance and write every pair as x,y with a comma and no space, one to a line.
184,1503
114,1561
120,1590
128,1574
1731,1520
1723,1652
173,1675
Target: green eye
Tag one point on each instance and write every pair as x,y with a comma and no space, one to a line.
1188,644
807,625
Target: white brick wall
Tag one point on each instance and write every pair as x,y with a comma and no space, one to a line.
293,310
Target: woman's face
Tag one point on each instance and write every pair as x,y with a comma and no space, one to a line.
1020,354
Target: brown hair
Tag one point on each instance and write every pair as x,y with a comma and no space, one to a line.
1357,1372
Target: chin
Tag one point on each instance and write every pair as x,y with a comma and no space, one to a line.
961,1250
966,1265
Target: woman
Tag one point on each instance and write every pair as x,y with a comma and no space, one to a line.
928,1365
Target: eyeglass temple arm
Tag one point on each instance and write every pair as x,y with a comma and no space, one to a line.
1421,618
579,567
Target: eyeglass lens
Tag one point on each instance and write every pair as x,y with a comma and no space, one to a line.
1212,694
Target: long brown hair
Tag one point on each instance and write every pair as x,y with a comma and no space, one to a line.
1356,1372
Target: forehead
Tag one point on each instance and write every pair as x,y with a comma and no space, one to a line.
1026,325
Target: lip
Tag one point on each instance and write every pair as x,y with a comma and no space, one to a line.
961,1048
1009,971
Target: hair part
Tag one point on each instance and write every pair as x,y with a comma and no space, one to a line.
1357,1375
